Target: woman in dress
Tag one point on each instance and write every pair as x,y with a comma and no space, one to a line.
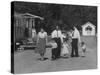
41,43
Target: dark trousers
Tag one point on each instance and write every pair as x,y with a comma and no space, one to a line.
54,53
74,48
57,52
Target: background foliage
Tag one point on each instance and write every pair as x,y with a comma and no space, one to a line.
65,16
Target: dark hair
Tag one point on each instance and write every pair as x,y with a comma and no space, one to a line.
72,28
41,28
65,40
57,27
82,43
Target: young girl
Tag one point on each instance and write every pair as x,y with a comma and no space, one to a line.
65,49
83,46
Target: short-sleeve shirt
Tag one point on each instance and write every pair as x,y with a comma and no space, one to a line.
57,34
42,35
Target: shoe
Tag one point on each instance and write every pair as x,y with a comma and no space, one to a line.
82,56
72,56
53,59
58,57
77,56
42,59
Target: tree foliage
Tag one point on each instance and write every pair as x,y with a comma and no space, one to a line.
57,14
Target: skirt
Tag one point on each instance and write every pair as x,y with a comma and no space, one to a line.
41,46
64,51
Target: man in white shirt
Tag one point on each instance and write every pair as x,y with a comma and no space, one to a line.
57,36
75,41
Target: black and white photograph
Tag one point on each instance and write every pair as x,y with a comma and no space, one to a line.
50,37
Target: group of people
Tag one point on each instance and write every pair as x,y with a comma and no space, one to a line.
61,44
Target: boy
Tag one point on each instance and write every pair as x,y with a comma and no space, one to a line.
54,49
83,46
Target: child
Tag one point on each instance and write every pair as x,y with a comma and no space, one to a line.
65,49
83,46
54,49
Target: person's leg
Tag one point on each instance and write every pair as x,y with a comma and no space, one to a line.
43,51
53,54
59,48
73,48
57,53
56,50
72,53
84,50
76,48
42,55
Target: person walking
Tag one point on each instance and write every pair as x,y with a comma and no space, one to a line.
41,43
75,41
57,36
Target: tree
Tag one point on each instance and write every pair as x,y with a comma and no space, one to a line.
66,16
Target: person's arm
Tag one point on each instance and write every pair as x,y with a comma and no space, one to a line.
79,38
52,34
46,37
61,37
35,32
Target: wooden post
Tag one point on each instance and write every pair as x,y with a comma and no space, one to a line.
33,22
27,23
30,27
17,36
26,28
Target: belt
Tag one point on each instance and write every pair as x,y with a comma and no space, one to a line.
56,37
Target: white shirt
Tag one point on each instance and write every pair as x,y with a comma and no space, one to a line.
42,35
57,34
76,34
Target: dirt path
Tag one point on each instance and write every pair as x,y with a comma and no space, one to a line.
26,61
